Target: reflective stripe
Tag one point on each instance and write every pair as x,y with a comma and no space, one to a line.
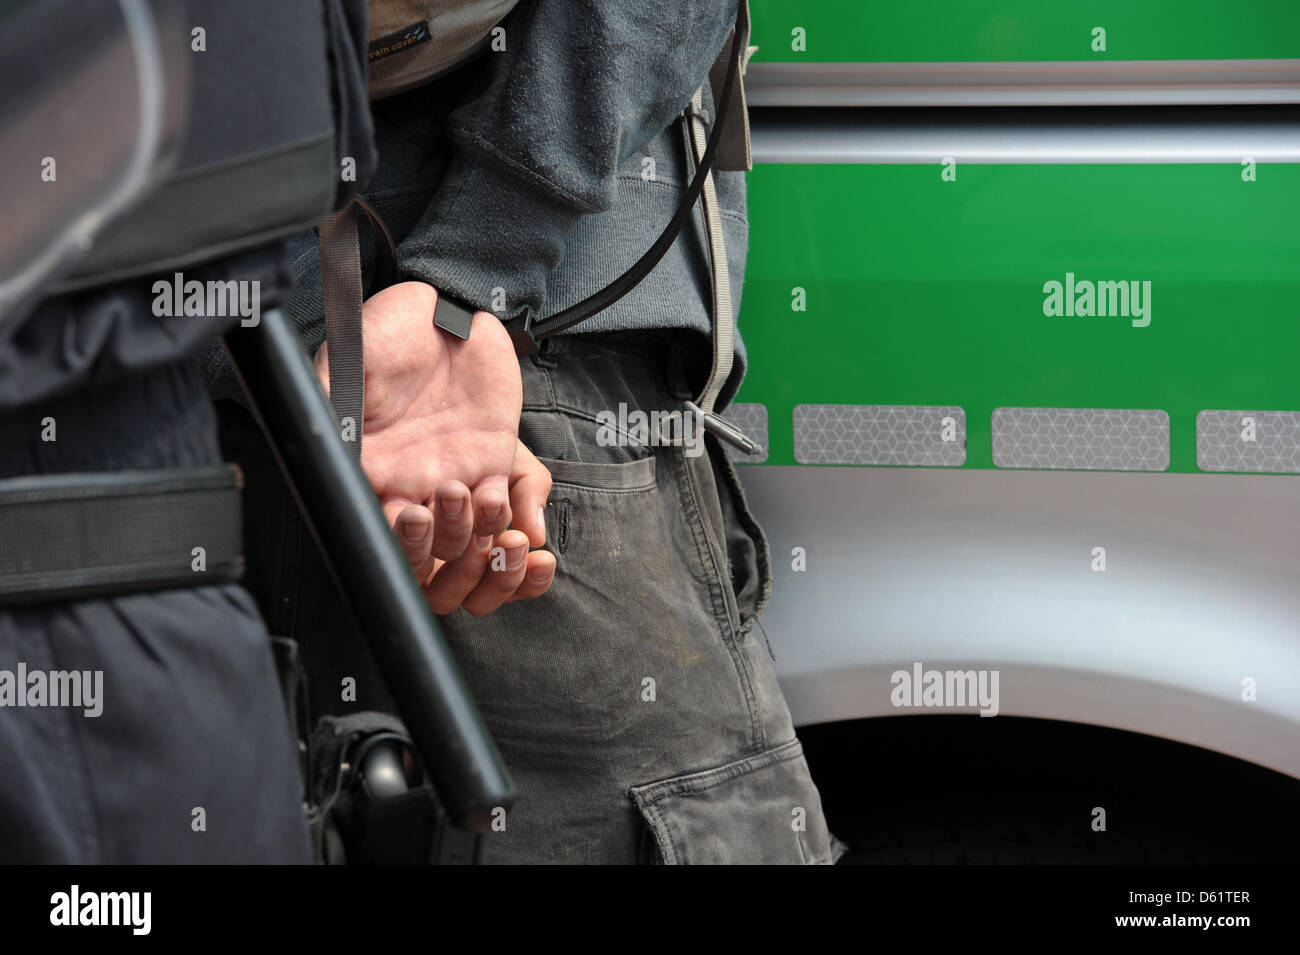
1266,442
900,435
751,418
1081,438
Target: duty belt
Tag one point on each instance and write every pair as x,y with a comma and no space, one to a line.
72,536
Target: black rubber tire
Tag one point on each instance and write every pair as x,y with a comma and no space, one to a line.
962,790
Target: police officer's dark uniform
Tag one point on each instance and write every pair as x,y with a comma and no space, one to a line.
190,758
141,718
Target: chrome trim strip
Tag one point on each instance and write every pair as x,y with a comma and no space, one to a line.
1058,83
1265,134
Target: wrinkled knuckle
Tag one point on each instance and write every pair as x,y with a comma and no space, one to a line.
442,605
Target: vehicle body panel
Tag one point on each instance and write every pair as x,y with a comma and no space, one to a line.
899,277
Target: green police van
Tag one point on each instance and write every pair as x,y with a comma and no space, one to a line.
1022,312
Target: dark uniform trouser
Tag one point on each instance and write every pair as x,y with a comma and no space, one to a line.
635,703
190,759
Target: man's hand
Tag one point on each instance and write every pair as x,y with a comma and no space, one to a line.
440,430
493,571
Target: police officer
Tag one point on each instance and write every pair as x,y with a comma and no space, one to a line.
141,718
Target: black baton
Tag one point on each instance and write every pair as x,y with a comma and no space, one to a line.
371,570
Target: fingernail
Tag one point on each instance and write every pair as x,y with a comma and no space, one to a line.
541,575
413,532
483,542
541,520
492,513
515,556
453,507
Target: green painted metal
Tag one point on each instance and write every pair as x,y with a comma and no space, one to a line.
991,30
921,291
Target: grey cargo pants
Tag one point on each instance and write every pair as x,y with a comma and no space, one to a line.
635,703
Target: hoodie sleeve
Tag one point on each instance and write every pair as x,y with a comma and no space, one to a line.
580,86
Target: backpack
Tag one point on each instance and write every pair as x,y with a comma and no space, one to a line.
415,41
250,168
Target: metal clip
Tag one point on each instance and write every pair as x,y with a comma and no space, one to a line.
693,112
723,430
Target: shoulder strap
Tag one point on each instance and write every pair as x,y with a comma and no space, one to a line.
724,317
733,153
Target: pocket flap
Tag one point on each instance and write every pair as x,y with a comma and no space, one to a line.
638,475
761,810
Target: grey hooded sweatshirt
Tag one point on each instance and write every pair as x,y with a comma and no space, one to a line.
536,175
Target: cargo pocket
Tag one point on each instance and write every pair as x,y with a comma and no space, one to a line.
761,810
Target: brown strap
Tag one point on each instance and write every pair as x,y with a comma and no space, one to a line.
340,264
